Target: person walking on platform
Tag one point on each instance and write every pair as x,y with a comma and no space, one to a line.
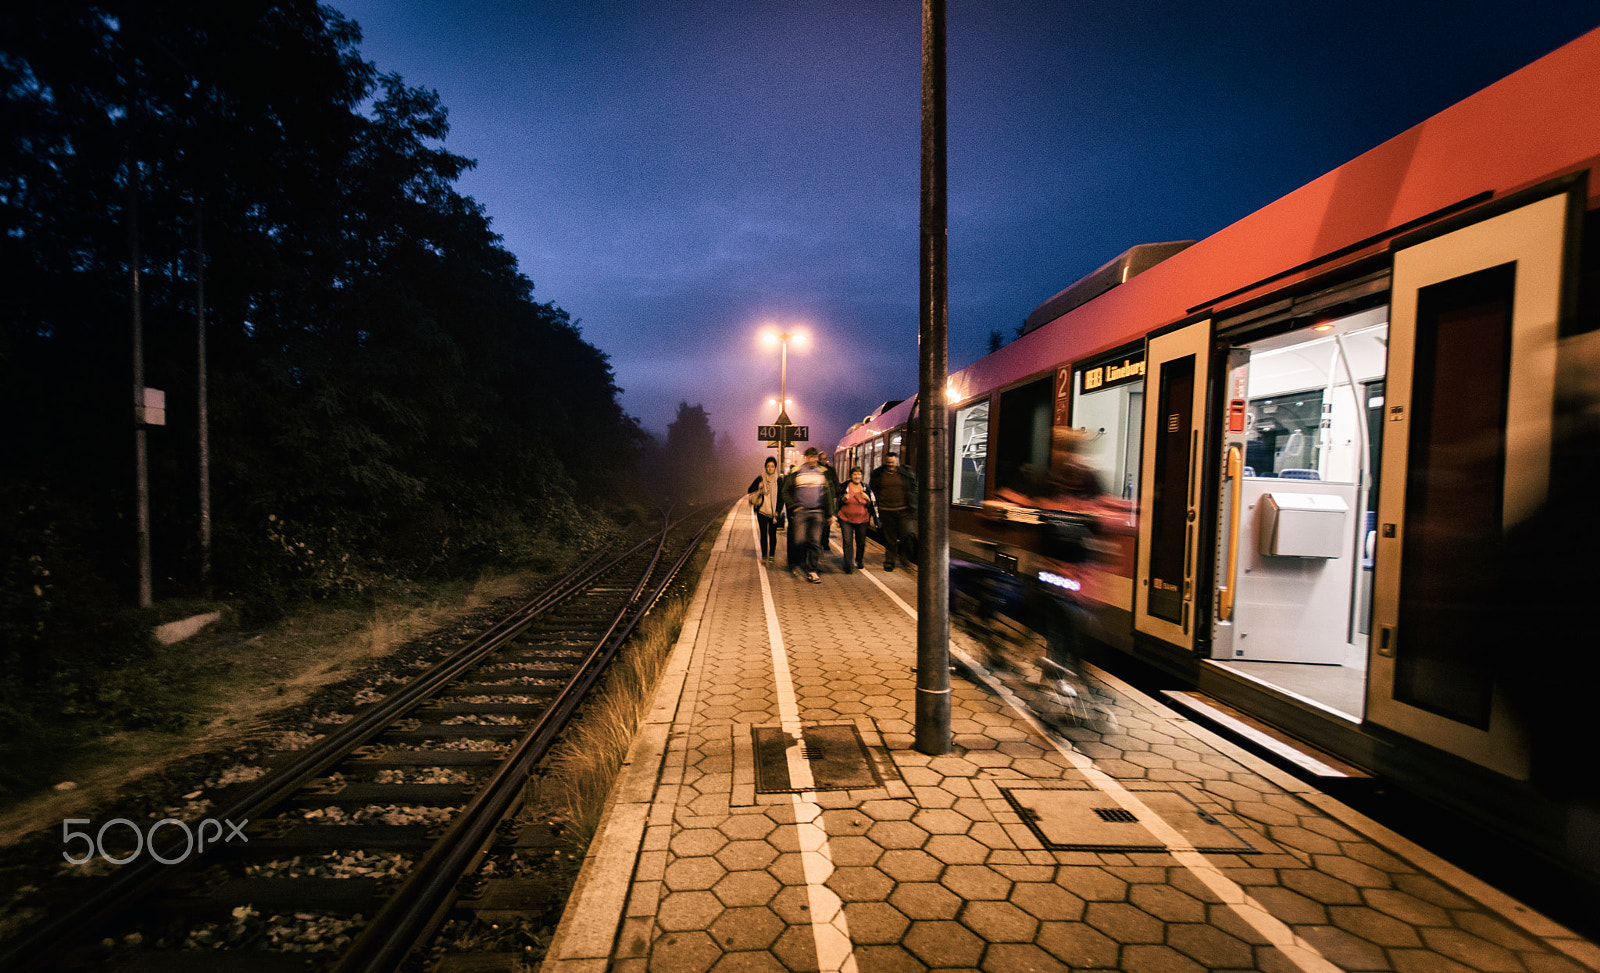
896,493
763,493
855,512
838,493
809,498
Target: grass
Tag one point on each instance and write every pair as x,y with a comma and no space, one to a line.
584,767
224,684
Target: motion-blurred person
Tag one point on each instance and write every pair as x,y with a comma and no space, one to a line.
855,512
896,491
763,492
833,481
808,496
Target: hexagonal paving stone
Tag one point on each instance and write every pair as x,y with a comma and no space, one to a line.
1124,923
972,882
697,841
1158,959
754,927
897,834
925,900
889,810
684,951
1167,903
910,865
686,874
1350,952
1047,900
957,849
746,888
943,943
683,911
853,850
998,922
886,959
1210,946
746,855
747,827
1021,958
1092,883
1081,946
875,922
938,821
860,884
756,962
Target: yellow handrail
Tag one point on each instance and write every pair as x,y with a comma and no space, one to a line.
1225,590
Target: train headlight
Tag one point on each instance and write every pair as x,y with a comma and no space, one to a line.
1060,581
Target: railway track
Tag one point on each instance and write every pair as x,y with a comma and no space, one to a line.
350,853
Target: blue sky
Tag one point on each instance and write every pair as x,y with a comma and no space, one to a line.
680,174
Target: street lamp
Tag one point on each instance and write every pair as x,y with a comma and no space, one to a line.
783,338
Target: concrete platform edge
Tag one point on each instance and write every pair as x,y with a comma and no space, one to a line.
586,936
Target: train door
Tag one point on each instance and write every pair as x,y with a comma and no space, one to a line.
1177,366
1294,496
1468,414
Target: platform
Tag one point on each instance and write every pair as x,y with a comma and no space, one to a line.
774,815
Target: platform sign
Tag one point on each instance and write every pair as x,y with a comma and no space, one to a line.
797,434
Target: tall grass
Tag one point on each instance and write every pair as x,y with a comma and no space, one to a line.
583,768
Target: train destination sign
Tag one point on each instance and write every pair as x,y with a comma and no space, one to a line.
1113,373
797,434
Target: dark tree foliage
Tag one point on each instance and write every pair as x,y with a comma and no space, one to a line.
386,396
690,464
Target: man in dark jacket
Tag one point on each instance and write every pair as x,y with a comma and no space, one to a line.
896,490
808,495
838,495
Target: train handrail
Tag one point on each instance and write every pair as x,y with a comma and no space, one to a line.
1225,590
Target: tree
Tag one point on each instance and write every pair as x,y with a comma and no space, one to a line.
691,456
385,390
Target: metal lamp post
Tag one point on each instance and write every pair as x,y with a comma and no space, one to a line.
783,392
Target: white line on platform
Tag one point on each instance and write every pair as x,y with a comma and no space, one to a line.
829,928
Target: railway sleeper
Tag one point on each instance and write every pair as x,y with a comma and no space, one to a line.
451,731
217,900
280,839
361,793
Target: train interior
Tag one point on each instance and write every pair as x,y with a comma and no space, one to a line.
1310,436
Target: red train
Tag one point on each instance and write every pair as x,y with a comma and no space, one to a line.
1354,437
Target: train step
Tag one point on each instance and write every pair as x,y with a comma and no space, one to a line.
1264,738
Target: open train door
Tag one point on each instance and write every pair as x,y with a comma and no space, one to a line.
1474,319
1177,366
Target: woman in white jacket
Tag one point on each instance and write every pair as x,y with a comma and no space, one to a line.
763,495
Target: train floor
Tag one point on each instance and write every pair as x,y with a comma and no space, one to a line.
776,814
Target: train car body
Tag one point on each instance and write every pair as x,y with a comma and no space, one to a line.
1354,438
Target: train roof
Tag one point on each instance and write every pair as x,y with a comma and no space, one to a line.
1119,270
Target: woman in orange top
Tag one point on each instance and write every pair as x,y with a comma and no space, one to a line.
856,509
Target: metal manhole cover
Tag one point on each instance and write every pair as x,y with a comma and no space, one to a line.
832,754
1090,820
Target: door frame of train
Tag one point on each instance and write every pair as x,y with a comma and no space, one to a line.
1174,618
1530,237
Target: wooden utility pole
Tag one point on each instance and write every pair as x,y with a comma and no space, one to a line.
933,353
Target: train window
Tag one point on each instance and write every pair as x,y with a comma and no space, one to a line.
1302,417
1285,434
1108,407
1022,456
971,453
